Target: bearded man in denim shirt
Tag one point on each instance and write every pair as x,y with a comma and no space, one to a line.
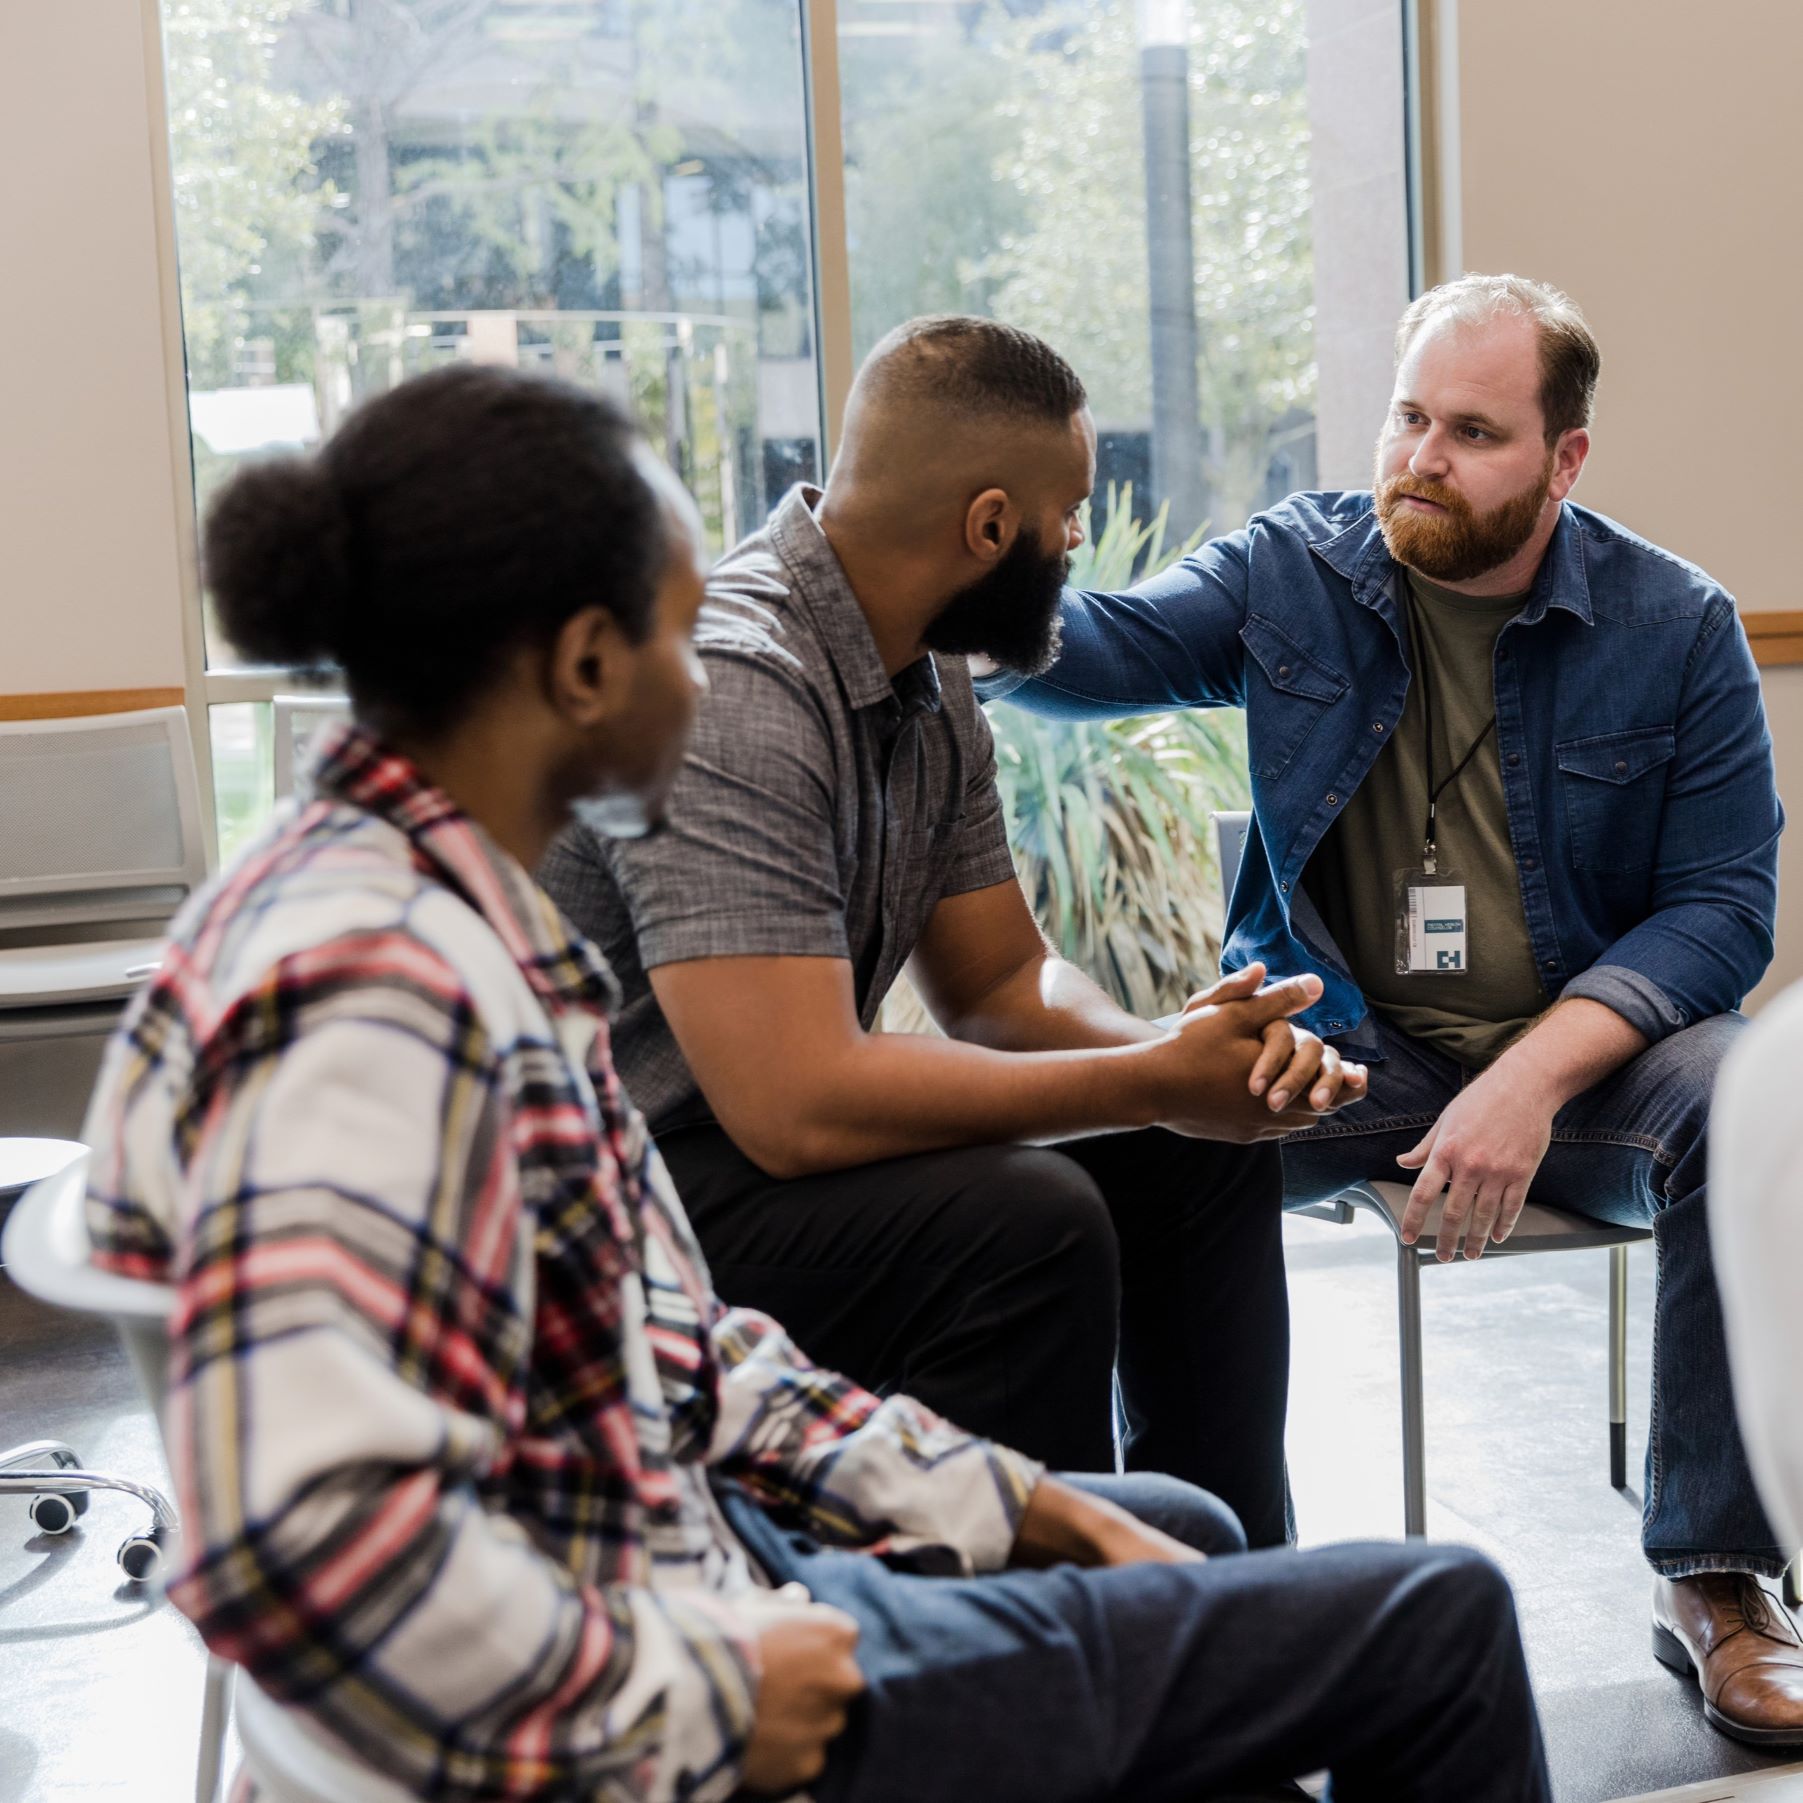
1514,801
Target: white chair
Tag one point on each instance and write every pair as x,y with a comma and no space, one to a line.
1539,1229
46,1249
103,842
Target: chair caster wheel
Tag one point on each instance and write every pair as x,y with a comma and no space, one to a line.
141,1557
54,1514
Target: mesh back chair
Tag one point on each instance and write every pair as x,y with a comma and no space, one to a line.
103,842
1539,1229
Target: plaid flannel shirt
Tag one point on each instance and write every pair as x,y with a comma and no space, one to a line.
447,1372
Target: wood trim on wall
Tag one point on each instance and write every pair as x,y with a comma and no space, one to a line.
1776,638
73,703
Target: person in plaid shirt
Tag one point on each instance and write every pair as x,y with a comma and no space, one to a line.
483,1489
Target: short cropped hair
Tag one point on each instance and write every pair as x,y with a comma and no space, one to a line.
1569,359
976,367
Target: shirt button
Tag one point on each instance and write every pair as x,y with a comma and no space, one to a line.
1621,769
1284,887
1283,669
1527,863
1552,964
1333,801
1377,726
1514,759
1333,1026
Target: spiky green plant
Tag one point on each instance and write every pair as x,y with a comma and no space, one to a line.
1109,820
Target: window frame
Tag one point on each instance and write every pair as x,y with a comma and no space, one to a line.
207,687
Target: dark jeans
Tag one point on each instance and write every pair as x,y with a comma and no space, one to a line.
1632,1150
993,1283
1397,1668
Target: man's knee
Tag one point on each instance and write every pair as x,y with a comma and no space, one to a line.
1462,1603
1189,1170
1687,1064
1186,1512
1030,1206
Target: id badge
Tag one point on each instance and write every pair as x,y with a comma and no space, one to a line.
1431,924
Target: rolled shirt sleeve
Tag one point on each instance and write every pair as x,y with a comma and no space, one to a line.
746,864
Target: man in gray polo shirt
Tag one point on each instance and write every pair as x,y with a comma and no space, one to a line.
975,1219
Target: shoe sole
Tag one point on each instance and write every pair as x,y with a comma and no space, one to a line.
1670,1651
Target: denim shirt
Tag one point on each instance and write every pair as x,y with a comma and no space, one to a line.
1630,727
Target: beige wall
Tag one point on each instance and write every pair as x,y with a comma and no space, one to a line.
1643,155
90,593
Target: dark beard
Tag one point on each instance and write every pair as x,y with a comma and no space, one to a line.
1011,614
1460,544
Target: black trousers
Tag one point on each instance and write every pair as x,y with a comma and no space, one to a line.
1399,1669
999,1284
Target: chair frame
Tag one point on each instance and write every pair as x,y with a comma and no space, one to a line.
1559,1231
1583,1235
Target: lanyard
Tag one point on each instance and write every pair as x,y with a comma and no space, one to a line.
1429,862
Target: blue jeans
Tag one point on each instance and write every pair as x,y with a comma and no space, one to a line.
1631,1150
1398,1669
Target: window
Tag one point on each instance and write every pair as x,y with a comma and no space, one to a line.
1200,202
615,190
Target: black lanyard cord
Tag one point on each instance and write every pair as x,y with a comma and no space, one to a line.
1436,790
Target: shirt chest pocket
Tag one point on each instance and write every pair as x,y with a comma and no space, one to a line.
1613,788
1287,692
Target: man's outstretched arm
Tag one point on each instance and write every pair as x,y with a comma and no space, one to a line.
1171,642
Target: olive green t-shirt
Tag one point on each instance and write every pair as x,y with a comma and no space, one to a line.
1471,1016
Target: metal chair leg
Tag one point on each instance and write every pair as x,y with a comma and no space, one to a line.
1618,1367
215,1709
1414,1428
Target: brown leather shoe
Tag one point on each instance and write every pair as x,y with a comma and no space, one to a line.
1742,1648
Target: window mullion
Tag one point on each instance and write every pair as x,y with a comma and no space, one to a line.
826,185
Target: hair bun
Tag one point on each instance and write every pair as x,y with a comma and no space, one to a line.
276,558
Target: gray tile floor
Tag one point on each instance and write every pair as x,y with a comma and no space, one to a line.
100,1691
1517,1464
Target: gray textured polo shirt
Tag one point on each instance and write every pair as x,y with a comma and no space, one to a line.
822,810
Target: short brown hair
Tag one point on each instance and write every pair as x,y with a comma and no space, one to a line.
1569,359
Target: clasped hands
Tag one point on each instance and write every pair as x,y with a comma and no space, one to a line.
1241,1071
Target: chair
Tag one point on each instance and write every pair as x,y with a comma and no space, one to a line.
50,1472
1540,1229
103,843
299,721
46,1249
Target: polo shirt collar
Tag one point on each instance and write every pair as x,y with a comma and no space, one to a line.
821,582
